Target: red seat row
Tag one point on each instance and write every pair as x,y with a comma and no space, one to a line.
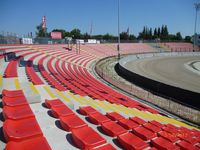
115,125
20,127
117,129
11,69
32,74
79,129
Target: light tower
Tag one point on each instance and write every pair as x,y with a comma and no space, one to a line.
197,7
118,45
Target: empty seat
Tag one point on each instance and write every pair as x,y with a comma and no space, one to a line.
55,102
71,122
85,110
170,128
11,69
144,133
60,111
98,118
104,147
137,120
186,146
188,138
21,129
14,101
172,137
152,127
163,144
18,112
158,124
130,141
87,138
12,93
128,124
113,129
29,144
114,116
197,145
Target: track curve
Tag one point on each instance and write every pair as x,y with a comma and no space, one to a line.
168,70
165,74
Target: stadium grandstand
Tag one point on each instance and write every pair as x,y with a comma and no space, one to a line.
54,92
63,91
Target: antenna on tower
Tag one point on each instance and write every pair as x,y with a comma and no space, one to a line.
91,28
44,26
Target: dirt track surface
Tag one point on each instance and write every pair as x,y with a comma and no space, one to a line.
168,70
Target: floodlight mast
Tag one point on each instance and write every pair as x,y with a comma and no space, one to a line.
118,47
197,7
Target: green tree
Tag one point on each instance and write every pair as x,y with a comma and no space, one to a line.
150,34
187,39
76,33
124,36
155,33
40,31
178,36
132,37
86,36
159,32
107,36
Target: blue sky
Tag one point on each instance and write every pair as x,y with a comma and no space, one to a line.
22,16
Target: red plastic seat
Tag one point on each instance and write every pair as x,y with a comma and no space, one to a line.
18,112
144,133
197,145
11,69
156,123
113,129
130,141
60,111
170,128
163,144
188,138
71,122
55,102
87,138
152,127
29,144
186,146
86,110
14,101
105,147
12,93
128,124
98,118
137,120
18,130
114,116
168,136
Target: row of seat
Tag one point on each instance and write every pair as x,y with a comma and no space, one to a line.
83,88
11,69
79,129
136,129
51,80
113,129
20,127
34,78
81,78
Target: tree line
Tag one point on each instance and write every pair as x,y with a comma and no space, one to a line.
147,33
